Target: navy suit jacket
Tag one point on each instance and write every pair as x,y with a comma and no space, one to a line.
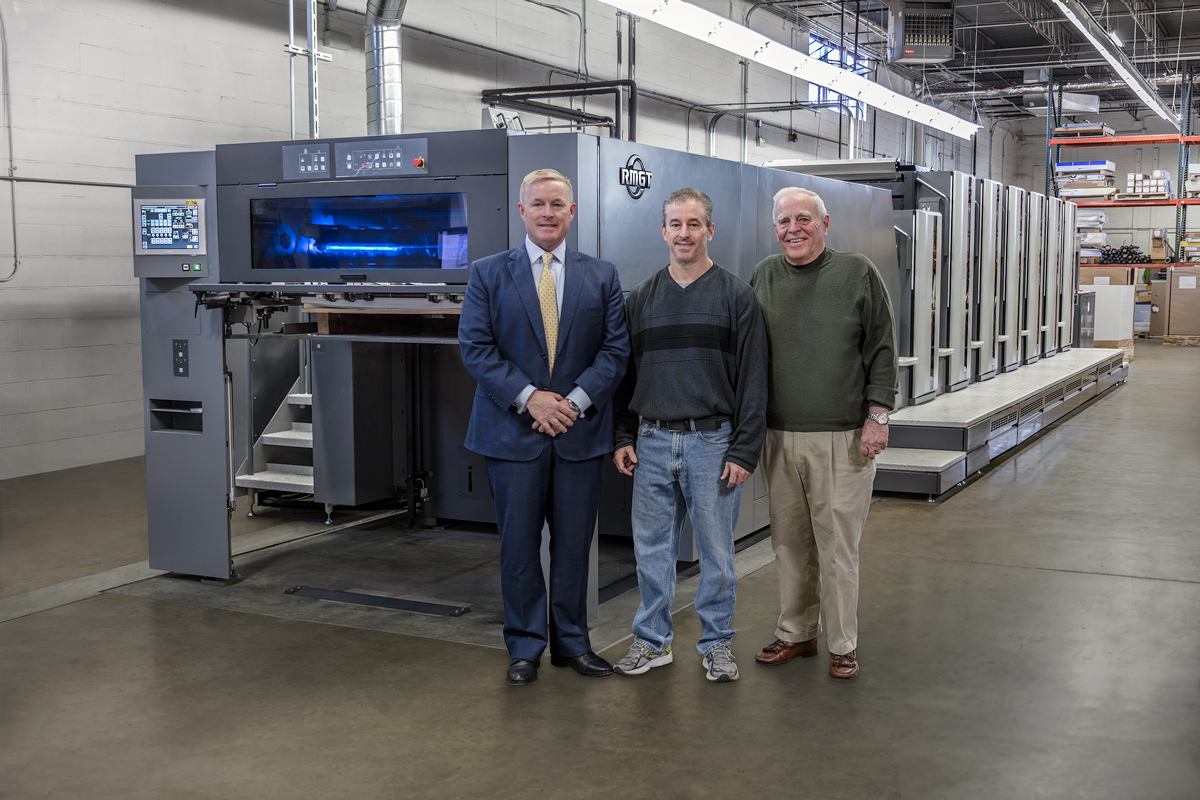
503,345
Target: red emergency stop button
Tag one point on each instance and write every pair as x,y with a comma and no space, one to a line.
419,162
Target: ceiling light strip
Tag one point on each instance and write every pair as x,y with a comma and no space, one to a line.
706,26
1079,16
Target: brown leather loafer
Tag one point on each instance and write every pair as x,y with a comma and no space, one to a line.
781,652
843,667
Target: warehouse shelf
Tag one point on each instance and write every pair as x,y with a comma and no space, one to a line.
1121,141
1183,141
1149,265
1168,201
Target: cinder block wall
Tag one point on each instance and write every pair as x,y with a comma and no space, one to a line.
95,82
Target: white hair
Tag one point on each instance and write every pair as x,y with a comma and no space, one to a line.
788,191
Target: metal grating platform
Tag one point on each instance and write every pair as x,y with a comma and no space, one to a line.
295,437
934,446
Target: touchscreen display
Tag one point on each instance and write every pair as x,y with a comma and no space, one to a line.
170,226
396,231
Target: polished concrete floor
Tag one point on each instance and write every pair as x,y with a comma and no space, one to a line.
1035,635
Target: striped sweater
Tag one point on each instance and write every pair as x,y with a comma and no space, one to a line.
697,351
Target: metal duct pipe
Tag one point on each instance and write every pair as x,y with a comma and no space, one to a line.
1041,88
1095,33
385,91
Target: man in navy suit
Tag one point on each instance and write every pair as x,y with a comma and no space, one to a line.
542,418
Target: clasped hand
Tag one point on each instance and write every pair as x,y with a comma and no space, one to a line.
551,414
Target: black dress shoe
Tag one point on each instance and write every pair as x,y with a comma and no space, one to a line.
521,672
589,664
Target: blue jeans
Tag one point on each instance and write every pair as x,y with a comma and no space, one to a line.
678,475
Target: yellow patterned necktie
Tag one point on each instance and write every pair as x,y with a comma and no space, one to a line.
549,301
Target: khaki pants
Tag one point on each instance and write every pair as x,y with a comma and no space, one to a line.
820,490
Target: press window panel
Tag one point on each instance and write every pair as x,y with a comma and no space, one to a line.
399,231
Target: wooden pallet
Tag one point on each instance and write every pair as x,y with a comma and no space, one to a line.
1180,340
1145,196
1082,131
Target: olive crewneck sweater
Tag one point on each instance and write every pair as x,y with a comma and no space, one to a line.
832,339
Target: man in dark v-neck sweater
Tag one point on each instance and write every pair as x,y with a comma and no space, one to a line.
697,380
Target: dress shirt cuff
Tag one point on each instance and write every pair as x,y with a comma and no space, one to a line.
523,398
581,399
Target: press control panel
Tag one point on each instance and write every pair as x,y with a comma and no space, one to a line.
306,162
170,232
179,358
381,158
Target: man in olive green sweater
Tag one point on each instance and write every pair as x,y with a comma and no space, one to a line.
831,383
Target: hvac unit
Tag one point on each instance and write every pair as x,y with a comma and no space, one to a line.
920,31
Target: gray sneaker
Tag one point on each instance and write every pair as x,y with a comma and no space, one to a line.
641,658
719,664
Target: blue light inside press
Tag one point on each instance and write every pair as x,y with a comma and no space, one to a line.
360,248
412,231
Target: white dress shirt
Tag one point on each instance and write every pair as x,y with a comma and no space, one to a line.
557,269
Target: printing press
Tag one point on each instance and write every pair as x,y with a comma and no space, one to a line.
299,304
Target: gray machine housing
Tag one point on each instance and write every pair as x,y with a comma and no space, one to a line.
389,412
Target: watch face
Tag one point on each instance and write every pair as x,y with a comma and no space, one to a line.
881,418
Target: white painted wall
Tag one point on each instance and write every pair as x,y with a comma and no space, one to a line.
95,82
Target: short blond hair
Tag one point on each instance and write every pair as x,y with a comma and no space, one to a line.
547,175
787,191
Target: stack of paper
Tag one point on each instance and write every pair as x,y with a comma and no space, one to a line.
1086,179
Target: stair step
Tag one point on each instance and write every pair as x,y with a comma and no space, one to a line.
278,480
294,469
292,438
302,426
300,399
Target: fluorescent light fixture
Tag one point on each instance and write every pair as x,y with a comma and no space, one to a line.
706,26
1086,24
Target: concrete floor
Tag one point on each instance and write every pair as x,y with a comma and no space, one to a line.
1032,636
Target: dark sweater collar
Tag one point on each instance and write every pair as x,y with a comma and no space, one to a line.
819,261
666,271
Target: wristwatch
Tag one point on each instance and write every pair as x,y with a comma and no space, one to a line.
571,404
881,417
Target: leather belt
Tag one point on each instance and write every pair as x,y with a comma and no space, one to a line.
702,424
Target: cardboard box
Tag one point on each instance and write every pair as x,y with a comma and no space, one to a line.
1116,344
1162,252
1105,276
1184,315
1141,293
1160,307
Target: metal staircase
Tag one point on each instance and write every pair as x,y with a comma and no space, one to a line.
284,451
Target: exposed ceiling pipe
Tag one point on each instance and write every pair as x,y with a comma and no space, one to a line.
1094,32
385,91
1041,88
